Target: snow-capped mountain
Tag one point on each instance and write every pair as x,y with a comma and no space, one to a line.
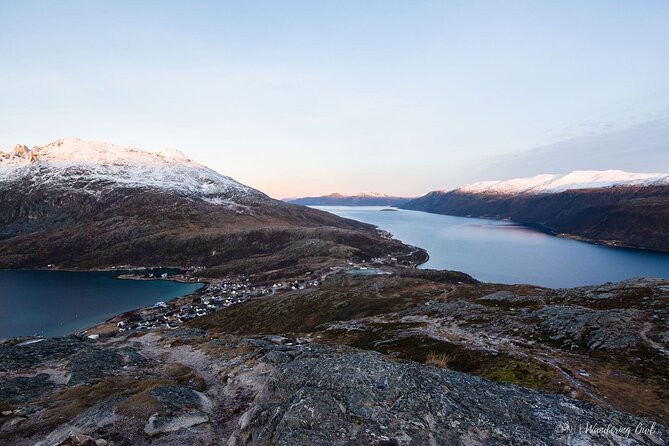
372,194
578,179
611,207
94,167
84,204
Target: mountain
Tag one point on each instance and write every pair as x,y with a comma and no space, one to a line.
362,199
101,167
609,207
548,183
75,203
400,356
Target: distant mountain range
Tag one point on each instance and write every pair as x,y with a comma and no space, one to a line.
579,179
363,199
640,147
612,207
84,204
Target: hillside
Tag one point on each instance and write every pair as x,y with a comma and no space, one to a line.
81,204
285,344
363,199
612,208
359,360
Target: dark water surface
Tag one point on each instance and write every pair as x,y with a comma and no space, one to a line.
53,303
504,252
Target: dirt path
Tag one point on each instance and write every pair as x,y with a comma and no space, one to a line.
644,335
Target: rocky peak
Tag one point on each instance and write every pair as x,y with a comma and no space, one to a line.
78,151
21,150
95,165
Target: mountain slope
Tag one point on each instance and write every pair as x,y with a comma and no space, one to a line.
97,168
612,207
362,199
75,203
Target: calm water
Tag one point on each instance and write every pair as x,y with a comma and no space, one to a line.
53,303
495,251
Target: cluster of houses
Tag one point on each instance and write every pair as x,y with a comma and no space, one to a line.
215,296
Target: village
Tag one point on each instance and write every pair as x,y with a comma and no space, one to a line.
216,294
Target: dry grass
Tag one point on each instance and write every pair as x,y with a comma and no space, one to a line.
438,359
185,376
579,395
626,391
69,402
139,405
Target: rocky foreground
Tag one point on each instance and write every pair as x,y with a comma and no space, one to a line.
186,387
375,360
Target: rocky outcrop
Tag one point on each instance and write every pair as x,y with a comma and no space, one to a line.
195,388
319,397
604,344
180,408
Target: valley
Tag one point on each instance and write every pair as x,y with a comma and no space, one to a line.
309,328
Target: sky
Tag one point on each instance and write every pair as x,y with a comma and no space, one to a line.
302,98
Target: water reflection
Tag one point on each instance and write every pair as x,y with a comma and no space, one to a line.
502,251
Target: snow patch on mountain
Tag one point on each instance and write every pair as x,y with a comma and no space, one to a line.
361,195
374,194
554,183
94,166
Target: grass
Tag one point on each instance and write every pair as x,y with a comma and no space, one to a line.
438,359
185,376
344,298
635,381
65,404
507,374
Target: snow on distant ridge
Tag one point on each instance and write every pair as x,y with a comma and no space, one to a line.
365,195
94,165
578,179
374,194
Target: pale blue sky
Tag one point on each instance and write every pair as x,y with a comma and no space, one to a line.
303,98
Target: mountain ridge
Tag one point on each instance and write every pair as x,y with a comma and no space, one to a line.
83,204
554,183
361,199
98,163
613,208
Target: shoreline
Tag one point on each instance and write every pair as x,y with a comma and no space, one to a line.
217,354
217,294
180,278
534,226
210,296
552,232
416,259
213,295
